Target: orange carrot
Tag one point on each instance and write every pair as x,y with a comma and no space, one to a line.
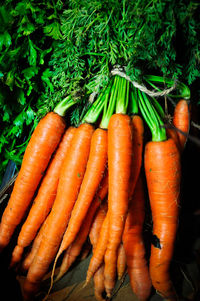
34,248
99,251
94,172
99,287
42,144
97,224
121,261
181,121
71,177
173,134
74,250
134,246
163,174
44,199
119,166
138,137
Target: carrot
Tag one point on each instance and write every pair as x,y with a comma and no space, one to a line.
44,199
94,172
35,246
121,261
163,181
181,121
119,166
97,224
134,246
42,144
99,283
85,250
74,250
163,174
71,177
138,138
99,251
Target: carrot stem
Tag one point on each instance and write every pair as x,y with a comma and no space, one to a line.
64,105
110,103
133,105
123,97
152,118
95,110
183,90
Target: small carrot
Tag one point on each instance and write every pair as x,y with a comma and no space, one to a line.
181,121
71,177
74,250
134,245
121,261
41,146
44,199
99,287
99,251
163,174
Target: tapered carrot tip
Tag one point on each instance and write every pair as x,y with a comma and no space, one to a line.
29,290
16,255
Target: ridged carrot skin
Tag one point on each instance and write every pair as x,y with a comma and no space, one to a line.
121,261
71,177
99,251
75,248
44,199
163,174
120,154
94,173
41,146
99,287
134,245
181,121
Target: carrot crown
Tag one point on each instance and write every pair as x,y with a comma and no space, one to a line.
151,112
110,103
64,105
122,96
96,108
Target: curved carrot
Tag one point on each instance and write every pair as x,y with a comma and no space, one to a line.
181,121
71,177
163,174
121,261
74,250
44,199
94,172
99,251
42,144
134,246
99,287
119,166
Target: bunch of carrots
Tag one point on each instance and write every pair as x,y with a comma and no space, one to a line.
90,181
